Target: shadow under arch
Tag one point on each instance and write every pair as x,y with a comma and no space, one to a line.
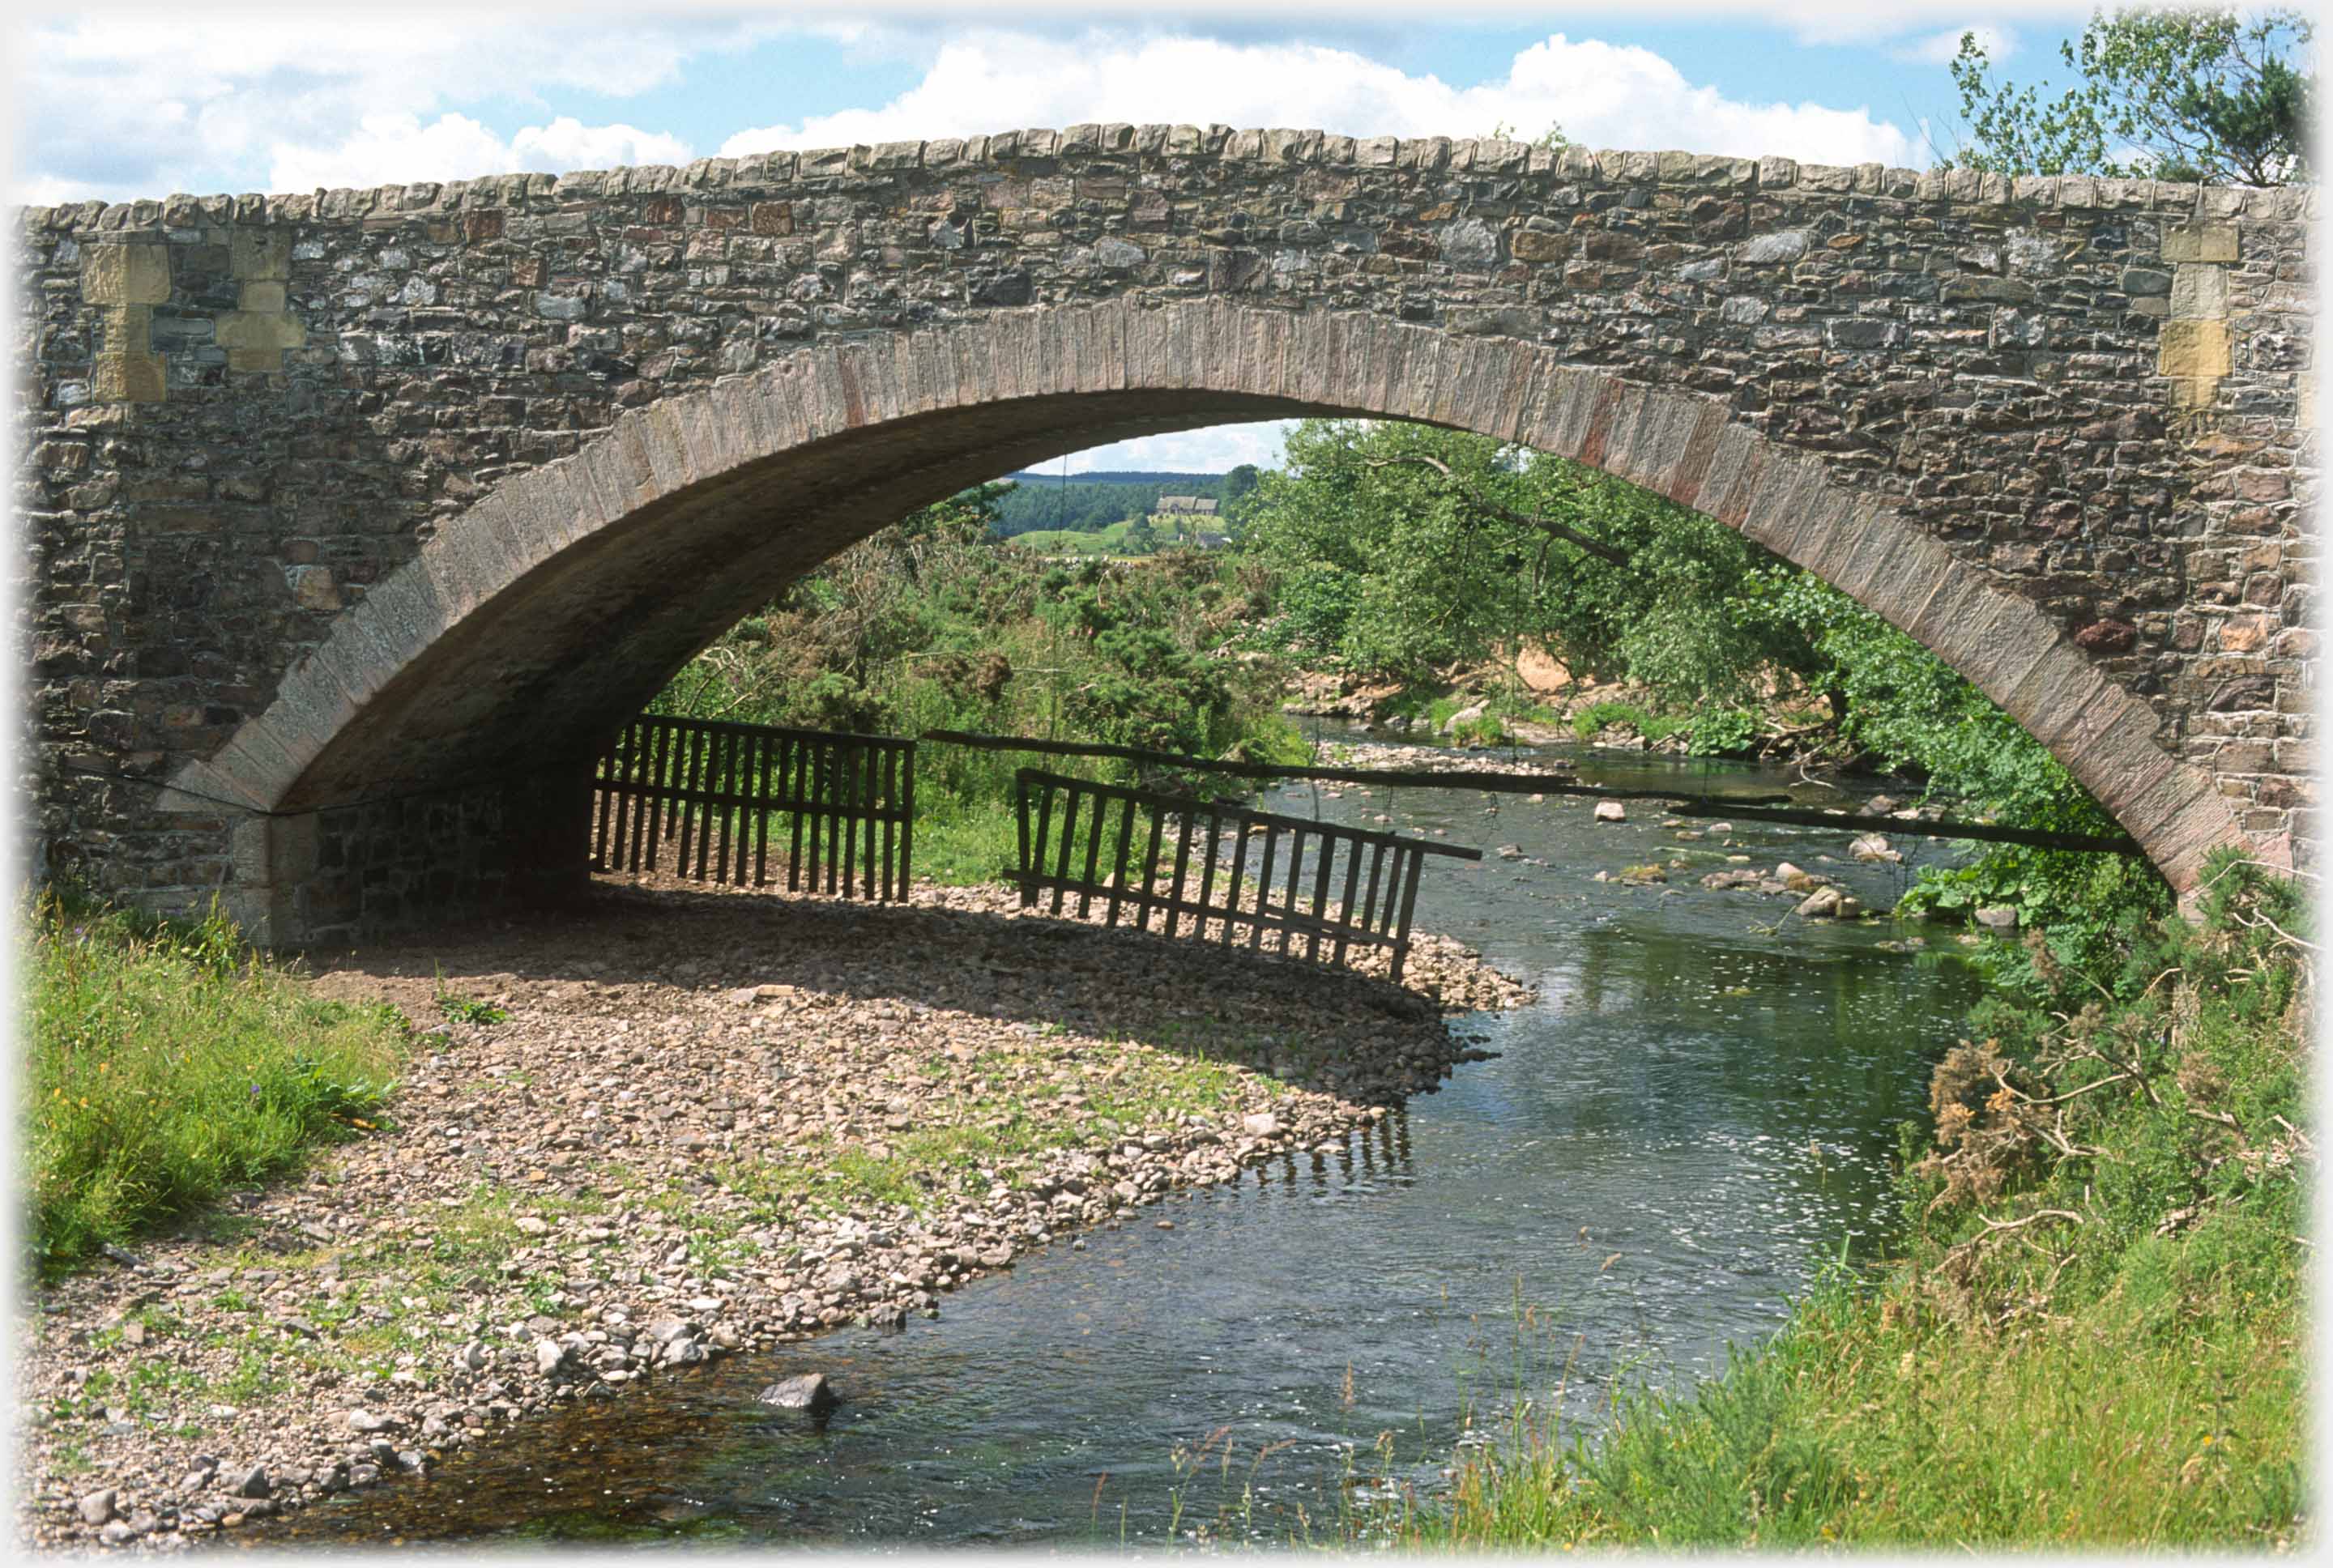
553,608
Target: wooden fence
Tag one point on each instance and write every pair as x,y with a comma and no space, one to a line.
704,793
1347,908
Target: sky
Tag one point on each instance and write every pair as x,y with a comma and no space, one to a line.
119,102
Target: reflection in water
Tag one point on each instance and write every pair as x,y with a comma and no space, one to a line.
1659,1152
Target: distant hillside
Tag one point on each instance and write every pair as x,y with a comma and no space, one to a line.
1089,502
1159,476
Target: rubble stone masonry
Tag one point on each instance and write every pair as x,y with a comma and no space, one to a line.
361,517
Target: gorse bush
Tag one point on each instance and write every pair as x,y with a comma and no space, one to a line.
166,1064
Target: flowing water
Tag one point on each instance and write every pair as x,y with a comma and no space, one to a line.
1696,1114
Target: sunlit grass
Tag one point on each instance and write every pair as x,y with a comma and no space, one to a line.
2093,1338
1862,1426
166,1064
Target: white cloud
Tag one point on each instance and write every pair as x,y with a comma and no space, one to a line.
399,150
1602,94
144,105
1997,43
1832,21
1217,449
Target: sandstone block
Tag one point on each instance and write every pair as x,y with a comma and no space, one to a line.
2200,242
128,378
125,274
259,252
260,329
2199,291
2192,350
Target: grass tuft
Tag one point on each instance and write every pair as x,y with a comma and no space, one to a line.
166,1064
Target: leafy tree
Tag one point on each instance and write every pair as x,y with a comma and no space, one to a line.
2181,95
1405,550
972,513
1906,709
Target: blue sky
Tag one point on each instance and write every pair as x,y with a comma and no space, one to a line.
121,102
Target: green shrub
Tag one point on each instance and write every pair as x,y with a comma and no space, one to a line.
939,625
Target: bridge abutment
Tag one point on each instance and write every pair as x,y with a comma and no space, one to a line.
341,876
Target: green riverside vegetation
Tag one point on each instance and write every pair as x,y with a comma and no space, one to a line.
2094,1333
167,1063
937,624
1398,552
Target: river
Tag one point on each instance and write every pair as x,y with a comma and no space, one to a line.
1696,1114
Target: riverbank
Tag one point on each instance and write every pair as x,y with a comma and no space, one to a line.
2093,1333
697,1124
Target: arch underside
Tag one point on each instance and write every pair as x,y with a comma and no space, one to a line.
542,618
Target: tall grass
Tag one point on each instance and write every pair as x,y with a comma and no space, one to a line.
166,1064
2094,1337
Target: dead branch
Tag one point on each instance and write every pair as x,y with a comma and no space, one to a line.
1995,1226
2263,865
2257,920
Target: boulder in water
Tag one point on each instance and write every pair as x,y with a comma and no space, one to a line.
1873,847
808,1391
1612,811
1820,904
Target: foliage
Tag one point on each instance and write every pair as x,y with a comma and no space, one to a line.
2093,1336
1548,139
1909,711
925,626
166,1064
459,1009
2200,94
1388,569
1391,567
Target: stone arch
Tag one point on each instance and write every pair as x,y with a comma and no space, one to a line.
554,607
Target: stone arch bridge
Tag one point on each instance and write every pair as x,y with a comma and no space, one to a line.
359,519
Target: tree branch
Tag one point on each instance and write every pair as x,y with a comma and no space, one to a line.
1569,535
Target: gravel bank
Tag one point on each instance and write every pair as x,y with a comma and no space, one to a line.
703,1123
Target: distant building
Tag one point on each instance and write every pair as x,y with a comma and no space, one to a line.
1186,505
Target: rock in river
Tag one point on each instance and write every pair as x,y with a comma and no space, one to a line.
810,1392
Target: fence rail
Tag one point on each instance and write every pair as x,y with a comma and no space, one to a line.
705,791
1372,907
